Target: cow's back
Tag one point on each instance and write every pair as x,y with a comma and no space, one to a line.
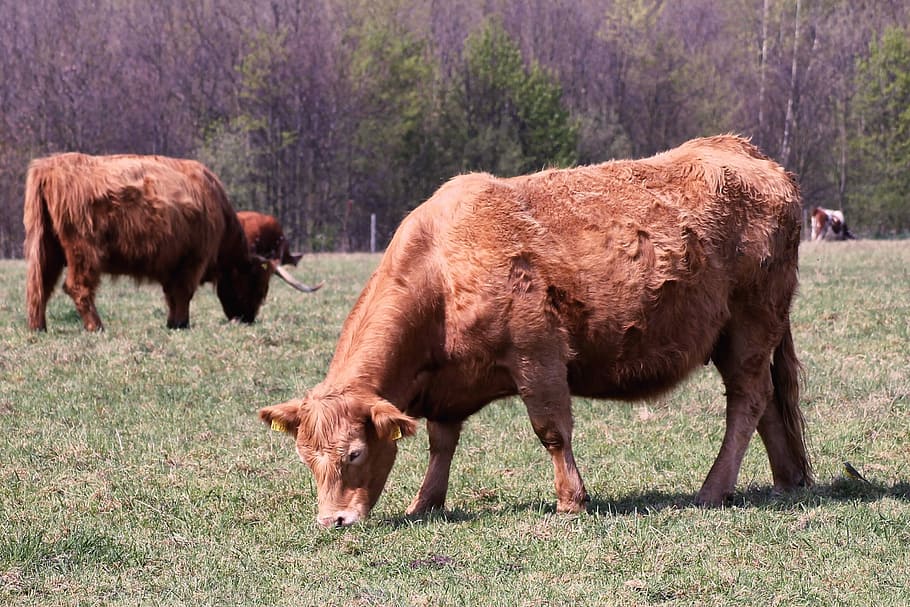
632,265
144,216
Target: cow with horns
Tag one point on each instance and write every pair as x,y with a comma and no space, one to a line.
266,239
608,281
153,218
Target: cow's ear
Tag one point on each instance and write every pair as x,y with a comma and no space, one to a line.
282,418
390,423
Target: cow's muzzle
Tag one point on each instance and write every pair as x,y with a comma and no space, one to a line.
342,518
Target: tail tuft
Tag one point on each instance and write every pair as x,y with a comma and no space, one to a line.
39,237
785,375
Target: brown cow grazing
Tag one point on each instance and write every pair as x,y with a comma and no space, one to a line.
607,281
149,217
266,239
828,224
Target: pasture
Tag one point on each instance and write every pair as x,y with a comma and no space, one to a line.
133,468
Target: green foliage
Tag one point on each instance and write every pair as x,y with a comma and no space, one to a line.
245,148
669,89
32,552
134,470
882,104
601,136
225,148
394,155
508,117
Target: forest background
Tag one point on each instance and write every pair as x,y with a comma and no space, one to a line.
323,112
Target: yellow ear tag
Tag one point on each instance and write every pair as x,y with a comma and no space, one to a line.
396,435
278,425
265,266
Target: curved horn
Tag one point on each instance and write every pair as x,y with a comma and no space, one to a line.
286,276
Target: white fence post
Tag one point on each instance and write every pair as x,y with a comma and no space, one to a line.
372,232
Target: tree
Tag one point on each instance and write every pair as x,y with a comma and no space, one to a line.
672,78
508,118
882,142
283,143
246,149
395,156
324,111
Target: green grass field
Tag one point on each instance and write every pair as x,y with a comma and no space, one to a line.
134,471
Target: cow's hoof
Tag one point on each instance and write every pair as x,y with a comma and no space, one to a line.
706,499
573,506
792,483
419,506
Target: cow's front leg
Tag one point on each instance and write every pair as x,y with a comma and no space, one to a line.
549,406
178,296
432,493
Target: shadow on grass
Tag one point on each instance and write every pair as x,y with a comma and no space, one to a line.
837,490
457,515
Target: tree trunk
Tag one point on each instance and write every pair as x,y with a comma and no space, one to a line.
789,120
762,67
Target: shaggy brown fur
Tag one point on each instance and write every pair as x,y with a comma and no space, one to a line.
613,281
149,217
266,239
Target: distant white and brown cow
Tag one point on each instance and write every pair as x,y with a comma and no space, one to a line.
266,239
828,224
608,281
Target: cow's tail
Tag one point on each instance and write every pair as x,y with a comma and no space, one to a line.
785,375
40,242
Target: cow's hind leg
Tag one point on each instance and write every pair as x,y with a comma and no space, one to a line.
432,493
743,359
82,279
786,468
782,427
41,280
545,391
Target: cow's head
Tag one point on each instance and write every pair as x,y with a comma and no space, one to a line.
349,443
242,288
266,239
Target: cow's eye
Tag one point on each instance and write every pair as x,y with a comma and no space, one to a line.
354,455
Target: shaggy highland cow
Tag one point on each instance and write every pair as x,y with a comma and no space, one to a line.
153,218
